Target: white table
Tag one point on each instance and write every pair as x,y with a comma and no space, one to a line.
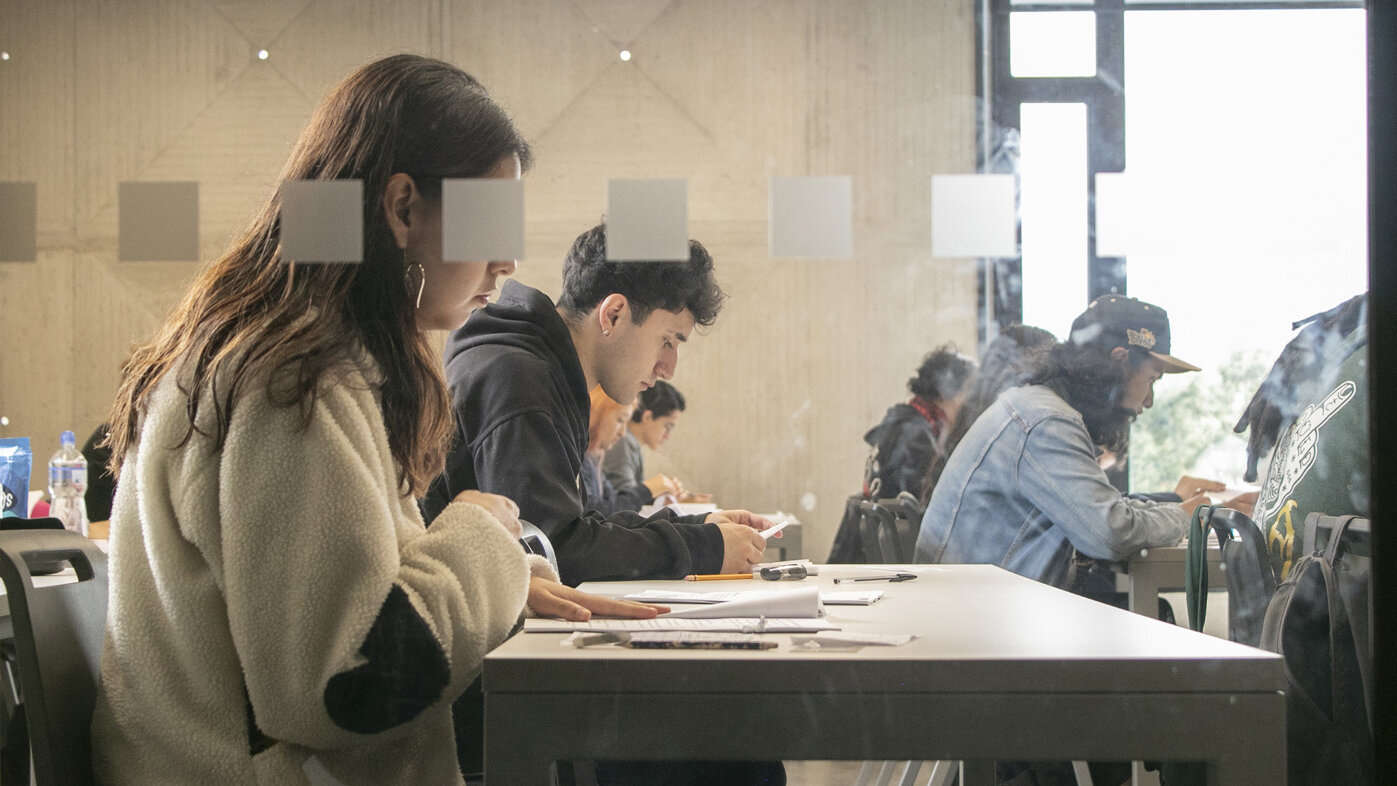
1162,569
1005,668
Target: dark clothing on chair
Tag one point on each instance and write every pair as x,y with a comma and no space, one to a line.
904,445
521,405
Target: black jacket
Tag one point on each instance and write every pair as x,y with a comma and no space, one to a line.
521,412
904,445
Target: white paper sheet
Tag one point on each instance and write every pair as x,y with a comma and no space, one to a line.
852,598
801,603
741,624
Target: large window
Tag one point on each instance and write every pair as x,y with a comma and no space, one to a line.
1222,154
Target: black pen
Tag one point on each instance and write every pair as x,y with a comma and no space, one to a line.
893,577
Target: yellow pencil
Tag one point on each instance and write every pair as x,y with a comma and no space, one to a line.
718,576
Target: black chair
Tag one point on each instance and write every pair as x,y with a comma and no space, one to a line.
58,632
1250,579
848,539
888,529
873,518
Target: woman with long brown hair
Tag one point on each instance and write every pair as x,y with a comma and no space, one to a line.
278,608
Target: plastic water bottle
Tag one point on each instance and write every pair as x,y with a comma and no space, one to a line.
68,484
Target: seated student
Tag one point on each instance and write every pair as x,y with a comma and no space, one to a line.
277,604
520,371
909,438
1009,360
1024,489
656,414
605,427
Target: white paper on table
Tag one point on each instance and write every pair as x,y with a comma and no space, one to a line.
679,596
741,624
843,639
797,603
851,598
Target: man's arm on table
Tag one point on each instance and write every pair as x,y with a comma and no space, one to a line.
1060,476
525,458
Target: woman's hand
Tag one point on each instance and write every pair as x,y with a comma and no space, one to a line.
551,599
502,508
661,485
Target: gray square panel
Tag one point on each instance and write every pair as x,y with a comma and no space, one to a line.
812,217
482,219
647,220
322,221
973,216
158,221
19,219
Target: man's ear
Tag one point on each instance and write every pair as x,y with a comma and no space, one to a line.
611,311
1120,354
398,196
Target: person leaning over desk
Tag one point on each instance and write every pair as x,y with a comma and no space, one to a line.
605,426
277,606
657,412
520,373
1024,489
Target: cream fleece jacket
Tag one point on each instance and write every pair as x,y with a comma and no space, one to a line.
278,611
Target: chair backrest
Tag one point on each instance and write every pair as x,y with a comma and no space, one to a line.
848,539
873,520
890,527
58,632
1250,579
535,542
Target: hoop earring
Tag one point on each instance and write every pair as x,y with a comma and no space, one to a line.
422,272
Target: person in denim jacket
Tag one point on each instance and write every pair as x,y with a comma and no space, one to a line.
1025,488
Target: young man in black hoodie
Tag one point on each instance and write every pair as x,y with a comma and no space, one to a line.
520,371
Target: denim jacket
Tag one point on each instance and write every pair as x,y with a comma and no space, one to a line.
1023,488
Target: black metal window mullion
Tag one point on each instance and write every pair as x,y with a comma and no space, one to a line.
1104,97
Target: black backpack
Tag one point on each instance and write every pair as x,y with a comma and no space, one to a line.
1329,734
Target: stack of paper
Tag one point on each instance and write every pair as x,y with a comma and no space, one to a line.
671,597
738,624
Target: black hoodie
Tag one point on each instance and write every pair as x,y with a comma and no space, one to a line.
521,413
904,446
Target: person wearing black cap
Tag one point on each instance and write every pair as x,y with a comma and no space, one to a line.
1025,490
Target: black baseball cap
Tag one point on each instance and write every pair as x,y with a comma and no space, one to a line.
1120,321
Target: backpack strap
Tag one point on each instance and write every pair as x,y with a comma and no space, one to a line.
1196,566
